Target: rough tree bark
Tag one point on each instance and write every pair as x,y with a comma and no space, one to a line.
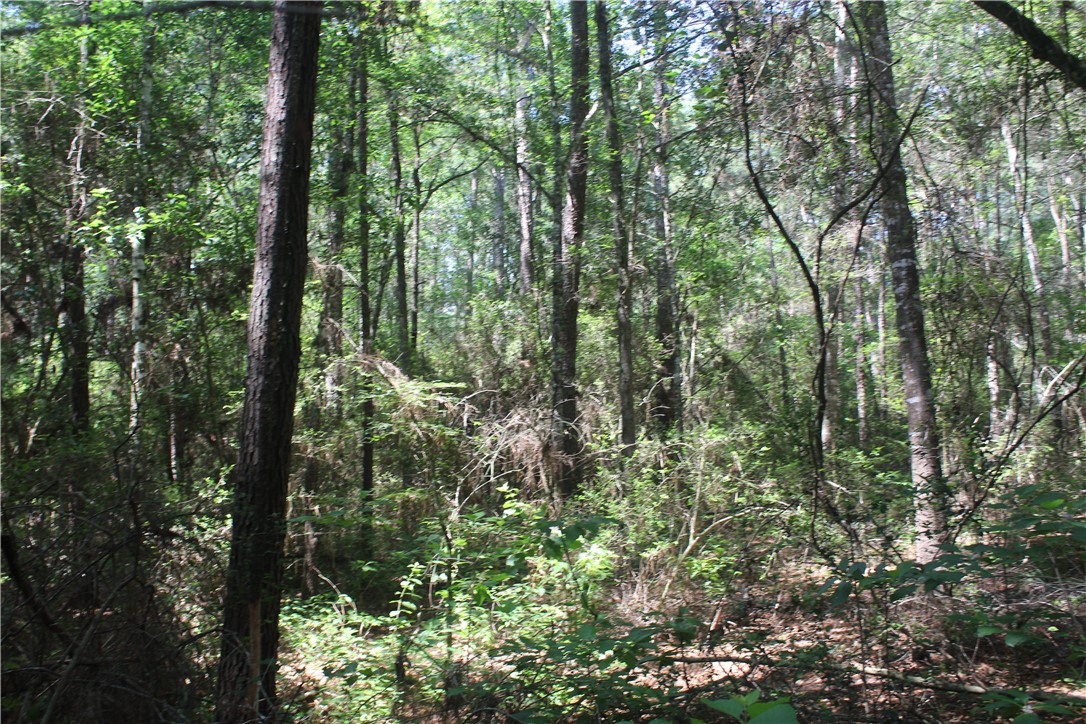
554,102
399,238
141,233
628,430
524,193
859,341
73,305
929,487
250,631
566,438
417,203
365,308
497,248
667,397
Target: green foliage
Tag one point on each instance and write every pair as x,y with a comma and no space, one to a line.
459,583
748,709
1018,704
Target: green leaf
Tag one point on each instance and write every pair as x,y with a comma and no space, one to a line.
988,630
731,707
1015,638
1050,501
840,596
1027,718
903,592
778,713
481,595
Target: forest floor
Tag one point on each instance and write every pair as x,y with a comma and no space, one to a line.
916,660
840,668
922,659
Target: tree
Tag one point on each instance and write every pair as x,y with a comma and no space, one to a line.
567,265
668,390
399,237
929,486
139,237
250,632
365,306
624,302
74,301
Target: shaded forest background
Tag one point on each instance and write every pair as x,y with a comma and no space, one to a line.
606,409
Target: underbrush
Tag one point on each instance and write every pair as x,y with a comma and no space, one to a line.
511,615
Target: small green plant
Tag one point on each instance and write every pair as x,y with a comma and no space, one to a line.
746,708
1012,702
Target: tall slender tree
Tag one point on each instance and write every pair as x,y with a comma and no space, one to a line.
75,334
399,236
250,631
668,392
526,262
365,305
141,231
929,486
567,264
624,302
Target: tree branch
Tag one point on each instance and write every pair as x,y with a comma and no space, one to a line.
1044,47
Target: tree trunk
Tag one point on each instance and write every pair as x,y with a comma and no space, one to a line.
566,293
628,430
250,631
780,337
75,335
879,365
992,351
497,255
140,233
832,261
524,193
365,305
831,383
667,404
399,239
329,340
365,311
556,112
1029,241
859,340
929,487
416,239
473,210
1059,221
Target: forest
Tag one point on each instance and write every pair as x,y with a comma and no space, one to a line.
543,361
